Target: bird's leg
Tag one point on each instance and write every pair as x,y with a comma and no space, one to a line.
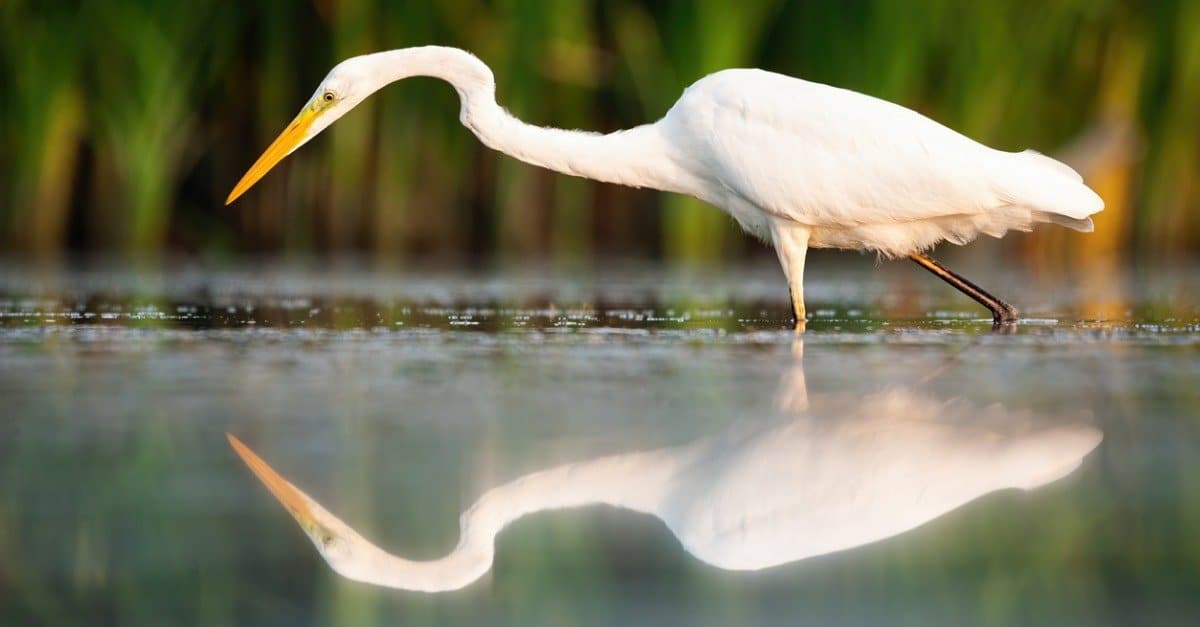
1003,314
799,315
791,244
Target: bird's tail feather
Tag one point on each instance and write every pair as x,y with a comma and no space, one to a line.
1051,188
1083,226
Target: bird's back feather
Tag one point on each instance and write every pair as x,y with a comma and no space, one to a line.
1052,163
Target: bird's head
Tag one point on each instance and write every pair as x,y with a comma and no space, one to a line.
342,89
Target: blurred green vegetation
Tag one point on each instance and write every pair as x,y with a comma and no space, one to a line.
127,122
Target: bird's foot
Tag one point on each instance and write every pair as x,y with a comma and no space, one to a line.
799,317
1004,328
1004,317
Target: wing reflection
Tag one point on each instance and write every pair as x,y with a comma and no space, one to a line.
827,474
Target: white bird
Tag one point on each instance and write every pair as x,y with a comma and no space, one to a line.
798,164
845,472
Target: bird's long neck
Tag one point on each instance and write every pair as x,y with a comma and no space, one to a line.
638,157
637,481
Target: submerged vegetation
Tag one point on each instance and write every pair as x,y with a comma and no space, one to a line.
127,122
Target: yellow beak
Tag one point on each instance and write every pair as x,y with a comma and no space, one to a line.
287,493
287,141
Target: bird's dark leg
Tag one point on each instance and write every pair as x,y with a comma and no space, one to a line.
1003,314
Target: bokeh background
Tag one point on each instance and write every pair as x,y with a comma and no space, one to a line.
126,122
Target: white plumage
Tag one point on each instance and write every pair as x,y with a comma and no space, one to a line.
796,163
859,172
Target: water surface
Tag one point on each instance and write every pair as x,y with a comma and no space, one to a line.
397,398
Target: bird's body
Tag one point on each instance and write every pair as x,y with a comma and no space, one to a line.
856,171
796,163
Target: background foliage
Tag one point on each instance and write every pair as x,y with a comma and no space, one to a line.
126,122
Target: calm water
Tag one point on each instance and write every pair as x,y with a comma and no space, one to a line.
899,465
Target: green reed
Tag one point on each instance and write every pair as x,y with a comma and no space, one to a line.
126,123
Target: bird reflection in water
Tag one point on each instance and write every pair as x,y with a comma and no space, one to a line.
827,473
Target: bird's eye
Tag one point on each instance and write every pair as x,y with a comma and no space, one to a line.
327,96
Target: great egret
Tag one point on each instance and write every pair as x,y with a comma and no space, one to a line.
796,163
827,474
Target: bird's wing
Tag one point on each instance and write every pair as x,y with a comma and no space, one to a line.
831,157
